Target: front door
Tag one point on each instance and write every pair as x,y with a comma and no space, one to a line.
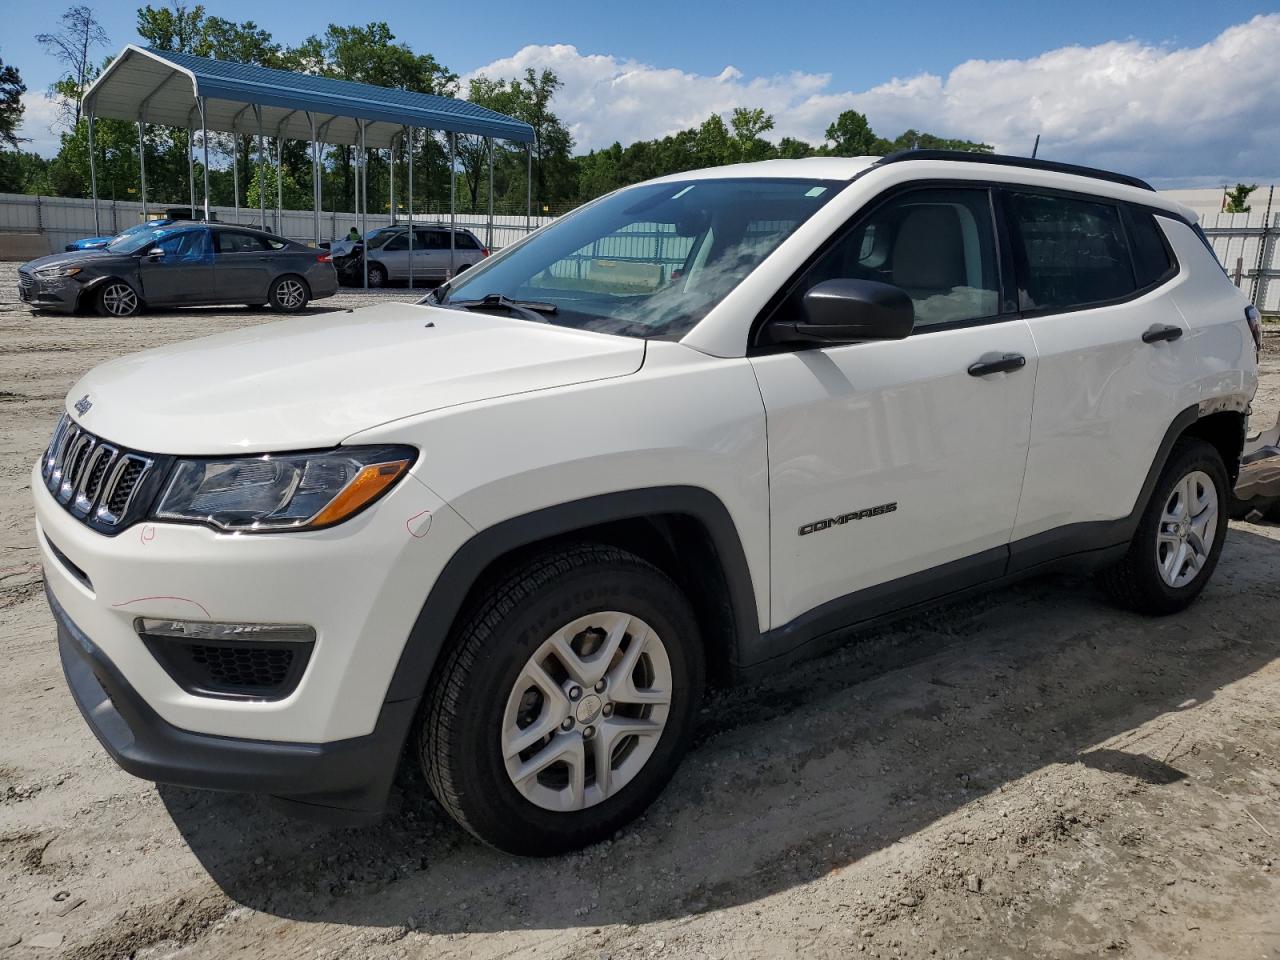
182,272
894,458
242,267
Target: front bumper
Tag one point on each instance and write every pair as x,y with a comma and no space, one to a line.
345,782
61,294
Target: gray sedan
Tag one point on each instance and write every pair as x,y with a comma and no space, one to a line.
177,266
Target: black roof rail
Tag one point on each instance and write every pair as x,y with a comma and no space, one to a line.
1005,160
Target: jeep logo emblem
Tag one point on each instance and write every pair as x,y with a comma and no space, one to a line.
83,405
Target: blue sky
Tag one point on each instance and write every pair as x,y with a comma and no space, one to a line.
644,69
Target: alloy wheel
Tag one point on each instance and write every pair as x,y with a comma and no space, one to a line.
290,294
119,300
1187,529
587,711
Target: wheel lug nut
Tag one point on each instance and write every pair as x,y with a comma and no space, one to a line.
608,710
567,724
600,687
575,693
588,732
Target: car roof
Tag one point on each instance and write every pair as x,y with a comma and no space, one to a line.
937,163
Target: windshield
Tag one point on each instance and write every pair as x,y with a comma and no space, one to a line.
649,261
133,240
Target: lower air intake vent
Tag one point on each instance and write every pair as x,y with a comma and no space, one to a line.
232,669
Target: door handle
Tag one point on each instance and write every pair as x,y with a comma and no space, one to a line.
1158,331
997,363
264,259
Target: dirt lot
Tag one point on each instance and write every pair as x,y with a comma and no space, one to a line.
1031,773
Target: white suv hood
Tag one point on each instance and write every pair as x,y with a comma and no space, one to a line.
313,381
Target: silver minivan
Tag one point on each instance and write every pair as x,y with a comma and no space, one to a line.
433,261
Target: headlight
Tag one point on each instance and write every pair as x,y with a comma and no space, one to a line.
48,273
302,491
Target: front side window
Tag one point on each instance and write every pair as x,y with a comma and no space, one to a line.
936,244
1072,251
187,246
648,261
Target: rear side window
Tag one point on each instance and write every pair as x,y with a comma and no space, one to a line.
229,242
1072,252
1151,259
464,241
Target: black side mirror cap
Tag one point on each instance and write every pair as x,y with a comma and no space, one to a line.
846,310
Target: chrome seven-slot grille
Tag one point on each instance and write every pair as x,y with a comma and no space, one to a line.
96,481
26,284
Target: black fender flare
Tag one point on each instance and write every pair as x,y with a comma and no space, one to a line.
431,630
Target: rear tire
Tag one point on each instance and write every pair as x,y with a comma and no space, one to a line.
117,299
585,652
289,294
1179,538
377,275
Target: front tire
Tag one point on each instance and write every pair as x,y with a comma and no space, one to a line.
117,299
377,275
288,294
1179,538
566,702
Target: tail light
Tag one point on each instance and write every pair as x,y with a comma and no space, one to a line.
484,252
1255,327
324,258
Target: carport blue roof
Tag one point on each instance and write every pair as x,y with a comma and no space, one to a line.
163,87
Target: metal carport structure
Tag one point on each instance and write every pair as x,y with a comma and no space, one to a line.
162,87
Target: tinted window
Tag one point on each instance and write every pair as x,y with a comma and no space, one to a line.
240,243
185,246
1151,260
397,243
1073,251
464,241
937,245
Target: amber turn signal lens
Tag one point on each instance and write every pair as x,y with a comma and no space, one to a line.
367,486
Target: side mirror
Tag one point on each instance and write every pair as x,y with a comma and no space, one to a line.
155,253
845,310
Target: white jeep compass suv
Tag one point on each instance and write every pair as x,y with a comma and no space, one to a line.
692,431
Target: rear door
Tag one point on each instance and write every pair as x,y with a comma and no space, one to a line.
242,267
1094,276
183,274
896,458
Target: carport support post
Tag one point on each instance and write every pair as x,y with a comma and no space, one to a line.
235,174
279,187
93,178
363,165
411,138
315,177
391,173
262,173
204,140
191,166
453,188
142,163
528,189
488,240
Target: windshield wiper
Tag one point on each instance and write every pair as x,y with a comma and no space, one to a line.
535,310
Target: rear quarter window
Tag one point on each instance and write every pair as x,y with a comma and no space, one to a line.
1152,260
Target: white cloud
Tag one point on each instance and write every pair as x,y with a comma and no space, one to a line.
1206,112
39,117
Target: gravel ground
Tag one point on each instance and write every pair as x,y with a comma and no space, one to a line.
1029,773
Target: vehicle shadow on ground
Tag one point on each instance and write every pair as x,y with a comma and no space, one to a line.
795,777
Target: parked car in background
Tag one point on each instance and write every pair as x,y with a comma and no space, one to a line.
97,243
389,255
181,264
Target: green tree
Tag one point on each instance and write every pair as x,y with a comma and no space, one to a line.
748,125
73,46
850,135
176,27
1237,198
11,90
